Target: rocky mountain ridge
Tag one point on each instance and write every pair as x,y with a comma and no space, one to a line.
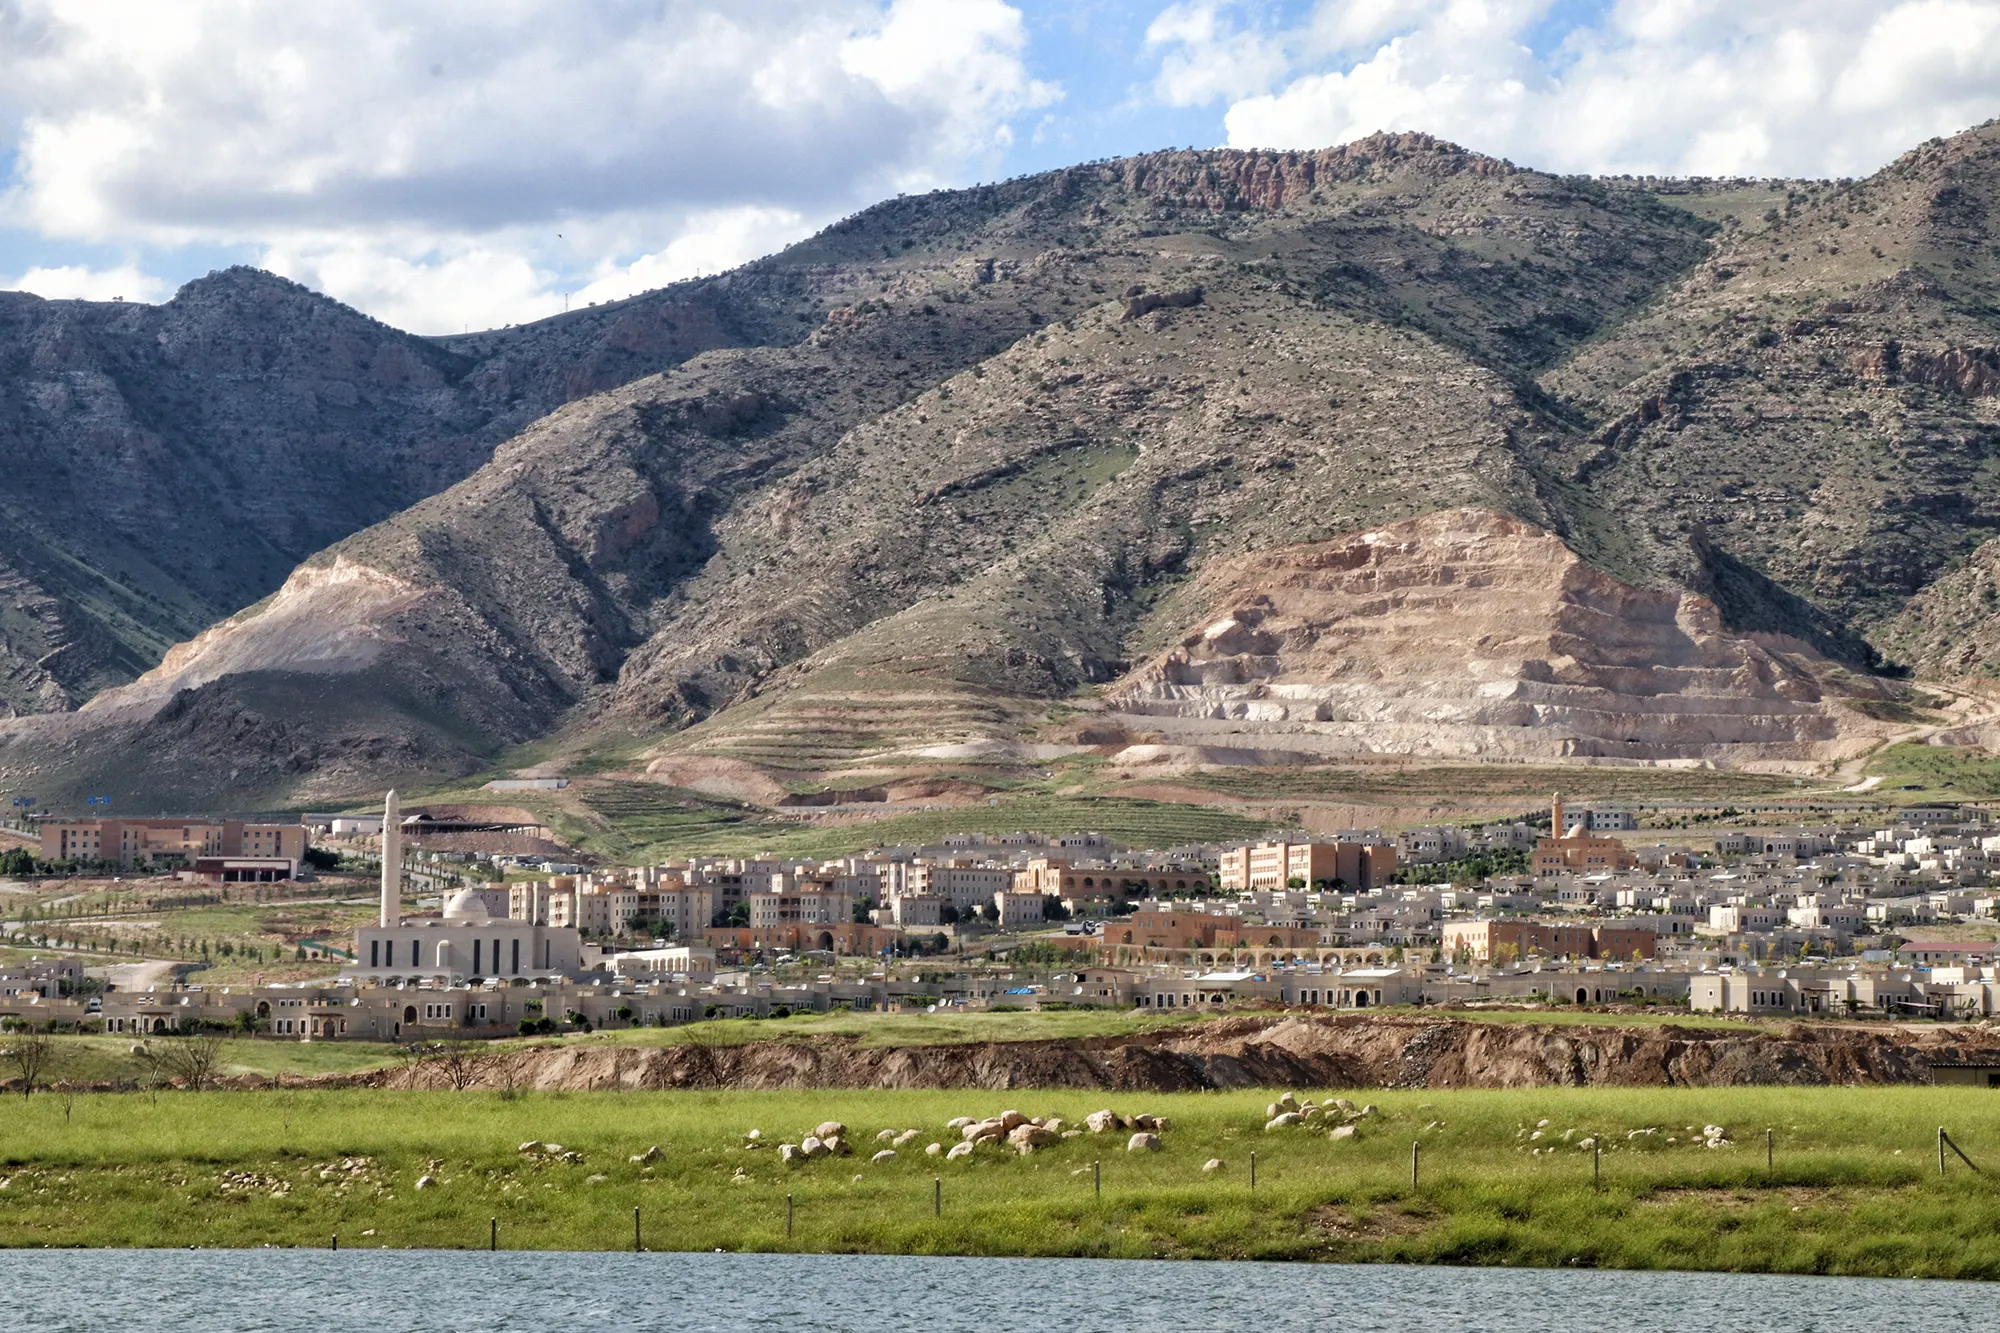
917,485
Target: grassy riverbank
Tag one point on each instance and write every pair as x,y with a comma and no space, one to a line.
1855,1187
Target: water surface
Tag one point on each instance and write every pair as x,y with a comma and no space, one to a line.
533,1292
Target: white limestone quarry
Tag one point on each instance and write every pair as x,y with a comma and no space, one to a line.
1471,634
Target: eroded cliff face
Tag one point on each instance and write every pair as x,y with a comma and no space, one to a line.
1472,634
1351,1051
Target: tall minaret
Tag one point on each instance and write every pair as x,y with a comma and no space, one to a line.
1556,827
392,863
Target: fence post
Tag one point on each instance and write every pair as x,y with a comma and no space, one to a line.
1097,1177
493,1234
1770,1152
635,1231
336,1242
1415,1148
1940,1149
937,1196
788,1217
1253,1170
1596,1161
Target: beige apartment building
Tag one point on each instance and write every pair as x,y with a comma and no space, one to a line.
177,844
1358,866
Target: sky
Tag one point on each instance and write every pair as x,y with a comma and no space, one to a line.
454,164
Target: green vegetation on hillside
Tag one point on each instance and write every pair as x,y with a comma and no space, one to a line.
1936,773
1503,1177
1486,784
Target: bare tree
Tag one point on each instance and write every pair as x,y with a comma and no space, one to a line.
459,1064
189,1061
416,1057
33,1056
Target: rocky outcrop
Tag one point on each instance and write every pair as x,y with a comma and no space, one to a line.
1472,634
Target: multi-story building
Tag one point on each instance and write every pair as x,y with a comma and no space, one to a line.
1512,941
205,845
1357,866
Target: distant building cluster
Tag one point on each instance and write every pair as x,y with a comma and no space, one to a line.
1835,920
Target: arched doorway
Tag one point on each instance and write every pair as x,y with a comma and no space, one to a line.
409,1013
1582,995
263,1008
826,940
1361,999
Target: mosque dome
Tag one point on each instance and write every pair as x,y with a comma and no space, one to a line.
467,905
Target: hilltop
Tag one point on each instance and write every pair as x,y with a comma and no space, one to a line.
955,479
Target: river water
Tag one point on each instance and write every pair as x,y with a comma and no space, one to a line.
477,1292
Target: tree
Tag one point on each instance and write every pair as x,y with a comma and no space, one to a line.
188,1060
32,1056
1053,909
458,1065
990,913
862,908
948,915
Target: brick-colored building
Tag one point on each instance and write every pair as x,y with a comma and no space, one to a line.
1511,941
1357,866
1166,930
164,844
1073,883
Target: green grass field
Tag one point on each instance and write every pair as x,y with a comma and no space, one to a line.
1936,773
1855,1187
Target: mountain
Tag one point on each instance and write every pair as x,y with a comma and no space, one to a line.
960,475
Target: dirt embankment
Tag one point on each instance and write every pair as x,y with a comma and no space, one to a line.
1344,1052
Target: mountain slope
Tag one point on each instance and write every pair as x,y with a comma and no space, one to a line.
945,469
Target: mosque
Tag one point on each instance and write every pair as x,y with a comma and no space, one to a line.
475,941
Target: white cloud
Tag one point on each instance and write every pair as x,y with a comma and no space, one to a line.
402,153
1210,55
75,282
1780,87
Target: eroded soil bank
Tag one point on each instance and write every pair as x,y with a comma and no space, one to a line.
1350,1051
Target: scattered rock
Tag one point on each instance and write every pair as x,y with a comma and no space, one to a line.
886,1136
957,1123
886,1155
907,1137
789,1152
934,1150
1342,1132
831,1129
652,1154
1143,1142
1099,1122
1026,1138
1212,1164
1284,1120
812,1146
530,1148
959,1150
426,1182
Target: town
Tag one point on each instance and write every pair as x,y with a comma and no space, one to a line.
1567,907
